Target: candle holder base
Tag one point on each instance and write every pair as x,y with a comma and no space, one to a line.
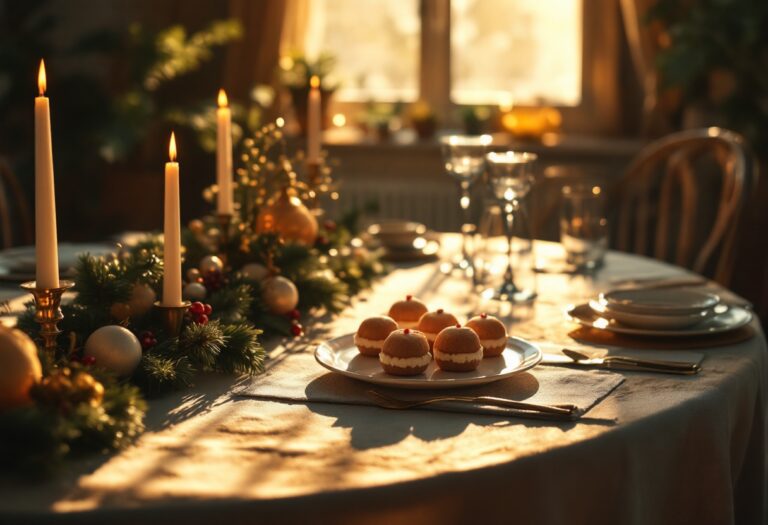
48,312
172,317
314,176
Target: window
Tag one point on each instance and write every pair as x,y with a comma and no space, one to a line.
376,45
451,53
528,50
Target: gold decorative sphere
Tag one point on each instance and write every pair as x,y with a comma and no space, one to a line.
20,367
280,295
289,218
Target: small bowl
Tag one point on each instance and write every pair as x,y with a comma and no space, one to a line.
659,302
651,322
397,234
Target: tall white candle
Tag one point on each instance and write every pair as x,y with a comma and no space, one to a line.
172,232
313,121
46,244
225,205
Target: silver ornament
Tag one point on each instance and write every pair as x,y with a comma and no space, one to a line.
142,299
194,292
115,348
254,271
279,294
211,263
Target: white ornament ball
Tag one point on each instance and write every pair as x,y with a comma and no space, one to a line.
211,263
19,367
142,299
279,294
115,348
194,292
254,271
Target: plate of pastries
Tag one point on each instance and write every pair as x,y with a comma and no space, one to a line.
415,347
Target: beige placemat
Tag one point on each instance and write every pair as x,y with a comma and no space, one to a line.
299,377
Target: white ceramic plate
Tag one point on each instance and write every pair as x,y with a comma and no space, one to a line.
726,318
340,355
18,264
659,301
651,322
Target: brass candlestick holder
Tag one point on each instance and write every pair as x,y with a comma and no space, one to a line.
172,317
225,225
48,311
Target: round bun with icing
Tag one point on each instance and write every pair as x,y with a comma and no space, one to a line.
457,349
408,312
431,323
492,334
405,353
372,332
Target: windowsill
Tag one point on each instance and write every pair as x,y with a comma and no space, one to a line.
552,146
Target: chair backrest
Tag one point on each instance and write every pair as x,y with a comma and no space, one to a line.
15,217
682,199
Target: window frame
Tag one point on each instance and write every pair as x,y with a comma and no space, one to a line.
598,113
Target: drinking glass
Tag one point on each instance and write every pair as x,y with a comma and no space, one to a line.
464,161
510,176
583,226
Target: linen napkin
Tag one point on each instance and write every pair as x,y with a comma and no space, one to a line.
679,356
300,378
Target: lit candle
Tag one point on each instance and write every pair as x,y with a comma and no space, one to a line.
172,231
225,205
313,121
46,245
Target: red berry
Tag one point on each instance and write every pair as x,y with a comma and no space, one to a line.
440,310
202,319
483,315
329,225
294,314
88,360
407,331
296,329
458,325
408,297
197,308
207,309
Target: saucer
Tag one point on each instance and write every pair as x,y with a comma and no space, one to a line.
725,319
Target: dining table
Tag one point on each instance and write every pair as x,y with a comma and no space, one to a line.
298,443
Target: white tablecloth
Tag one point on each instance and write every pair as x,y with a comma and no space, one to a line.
682,450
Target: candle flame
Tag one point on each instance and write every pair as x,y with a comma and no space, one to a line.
223,101
314,82
41,80
172,147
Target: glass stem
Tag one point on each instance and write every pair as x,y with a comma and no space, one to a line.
509,209
464,202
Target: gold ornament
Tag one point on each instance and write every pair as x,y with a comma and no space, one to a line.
142,299
254,271
115,348
19,367
211,263
197,226
288,217
120,311
279,294
66,388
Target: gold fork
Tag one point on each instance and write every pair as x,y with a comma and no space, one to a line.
567,412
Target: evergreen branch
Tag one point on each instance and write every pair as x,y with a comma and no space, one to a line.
242,353
201,343
159,373
232,303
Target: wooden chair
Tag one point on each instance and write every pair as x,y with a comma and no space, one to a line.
682,200
15,217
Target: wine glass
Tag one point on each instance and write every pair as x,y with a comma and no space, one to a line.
464,160
510,176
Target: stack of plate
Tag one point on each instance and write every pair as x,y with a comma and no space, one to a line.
660,312
404,240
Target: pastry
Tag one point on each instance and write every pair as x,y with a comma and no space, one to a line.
431,323
457,349
405,353
407,313
372,332
492,334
